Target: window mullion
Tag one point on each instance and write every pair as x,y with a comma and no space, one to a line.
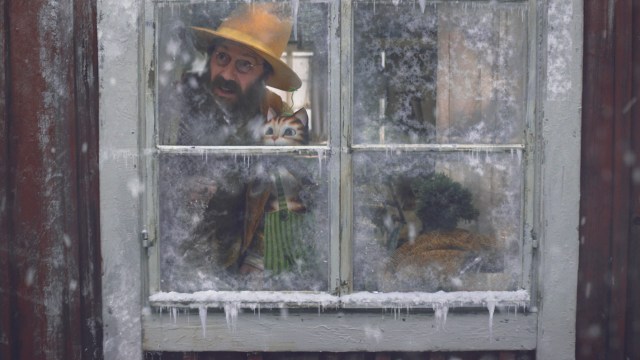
346,195
532,225
335,107
149,138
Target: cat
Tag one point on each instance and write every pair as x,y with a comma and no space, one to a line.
284,212
286,130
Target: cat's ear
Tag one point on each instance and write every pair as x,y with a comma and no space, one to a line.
271,114
302,116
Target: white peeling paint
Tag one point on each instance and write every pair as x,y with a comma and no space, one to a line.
118,31
559,49
560,119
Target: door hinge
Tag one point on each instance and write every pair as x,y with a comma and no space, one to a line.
144,235
534,239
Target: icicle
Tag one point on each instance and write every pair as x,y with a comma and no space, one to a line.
423,5
519,153
320,154
395,2
231,314
174,314
202,311
491,305
284,311
295,4
441,311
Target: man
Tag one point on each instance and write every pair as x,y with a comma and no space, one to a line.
226,105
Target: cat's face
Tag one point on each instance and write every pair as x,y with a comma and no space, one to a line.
286,130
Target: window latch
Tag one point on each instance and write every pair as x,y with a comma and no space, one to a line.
342,288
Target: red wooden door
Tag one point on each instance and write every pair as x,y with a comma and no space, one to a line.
608,318
50,297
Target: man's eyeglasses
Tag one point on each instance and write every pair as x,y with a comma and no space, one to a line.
242,66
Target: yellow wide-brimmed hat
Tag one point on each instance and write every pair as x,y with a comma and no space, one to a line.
258,27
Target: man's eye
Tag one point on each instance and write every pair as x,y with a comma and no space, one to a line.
223,58
244,65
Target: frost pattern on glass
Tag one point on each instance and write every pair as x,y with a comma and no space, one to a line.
216,213
181,73
396,250
451,73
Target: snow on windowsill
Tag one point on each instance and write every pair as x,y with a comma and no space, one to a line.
233,301
279,299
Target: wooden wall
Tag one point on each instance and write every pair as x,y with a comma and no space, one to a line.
608,314
50,292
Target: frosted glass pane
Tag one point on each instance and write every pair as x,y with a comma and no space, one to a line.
417,231
223,225
442,73
181,74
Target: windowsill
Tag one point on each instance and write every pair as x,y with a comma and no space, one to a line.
299,299
240,323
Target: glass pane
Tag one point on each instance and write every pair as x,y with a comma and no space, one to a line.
243,223
440,73
204,104
437,221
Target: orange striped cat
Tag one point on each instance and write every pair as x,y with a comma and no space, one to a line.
286,129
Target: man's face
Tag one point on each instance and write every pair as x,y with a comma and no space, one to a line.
234,69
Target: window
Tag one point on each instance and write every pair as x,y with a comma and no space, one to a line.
195,251
418,190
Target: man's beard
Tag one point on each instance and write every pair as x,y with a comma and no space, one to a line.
247,103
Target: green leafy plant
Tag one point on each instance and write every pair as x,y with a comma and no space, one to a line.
442,202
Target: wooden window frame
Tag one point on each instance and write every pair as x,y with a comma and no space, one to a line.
131,326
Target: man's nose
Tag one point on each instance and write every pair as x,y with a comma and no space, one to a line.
228,72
